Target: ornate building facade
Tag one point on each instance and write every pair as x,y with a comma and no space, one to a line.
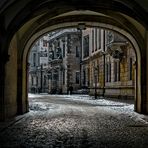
101,61
108,64
38,65
55,62
64,61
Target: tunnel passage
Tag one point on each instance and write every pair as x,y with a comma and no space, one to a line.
27,23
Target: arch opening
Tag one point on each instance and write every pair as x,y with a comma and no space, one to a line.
130,42
27,39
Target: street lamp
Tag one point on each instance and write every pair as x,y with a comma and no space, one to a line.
41,78
95,74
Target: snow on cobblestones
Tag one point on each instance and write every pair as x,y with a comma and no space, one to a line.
121,107
77,121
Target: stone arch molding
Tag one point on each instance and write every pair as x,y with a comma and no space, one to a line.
31,19
121,31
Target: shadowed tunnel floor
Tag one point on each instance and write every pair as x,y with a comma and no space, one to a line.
77,121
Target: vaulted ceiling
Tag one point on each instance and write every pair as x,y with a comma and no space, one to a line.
30,16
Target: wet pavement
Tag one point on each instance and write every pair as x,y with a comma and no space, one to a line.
77,121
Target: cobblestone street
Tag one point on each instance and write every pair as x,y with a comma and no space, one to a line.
77,121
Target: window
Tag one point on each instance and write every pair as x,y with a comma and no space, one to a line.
77,51
44,80
58,43
116,71
44,43
38,59
130,68
68,43
32,80
34,59
77,77
55,76
108,72
50,75
86,46
92,40
63,77
63,49
96,39
84,77
88,72
36,80
118,74
99,39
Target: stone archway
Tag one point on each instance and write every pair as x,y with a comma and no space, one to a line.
24,27
90,24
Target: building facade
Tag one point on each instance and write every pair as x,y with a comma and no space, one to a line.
55,63
38,65
108,64
101,61
64,61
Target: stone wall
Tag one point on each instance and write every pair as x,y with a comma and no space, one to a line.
10,100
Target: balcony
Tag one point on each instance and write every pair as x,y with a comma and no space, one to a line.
116,45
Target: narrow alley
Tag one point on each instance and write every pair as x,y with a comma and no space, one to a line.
77,121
